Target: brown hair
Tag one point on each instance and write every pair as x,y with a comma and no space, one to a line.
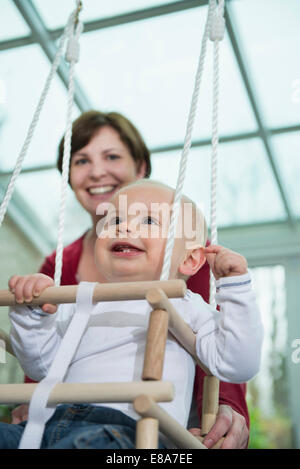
88,123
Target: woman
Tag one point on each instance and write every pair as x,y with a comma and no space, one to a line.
108,152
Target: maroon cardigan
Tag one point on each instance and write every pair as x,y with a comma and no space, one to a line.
233,395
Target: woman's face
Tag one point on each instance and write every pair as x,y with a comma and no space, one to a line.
100,168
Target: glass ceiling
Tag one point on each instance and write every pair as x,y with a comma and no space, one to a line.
55,16
151,80
271,46
11,22
139,57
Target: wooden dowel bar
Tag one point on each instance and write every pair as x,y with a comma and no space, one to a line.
157,298
103,292
147,433
210,403
5,338
162,391
147,407
155,345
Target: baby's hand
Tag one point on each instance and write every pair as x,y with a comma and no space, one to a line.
26,287
225,263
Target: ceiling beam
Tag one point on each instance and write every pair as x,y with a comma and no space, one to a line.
42,37
17,42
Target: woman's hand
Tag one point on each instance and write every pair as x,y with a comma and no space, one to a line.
27,287
19,414
229,424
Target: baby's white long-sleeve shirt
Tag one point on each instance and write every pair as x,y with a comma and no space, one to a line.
112,348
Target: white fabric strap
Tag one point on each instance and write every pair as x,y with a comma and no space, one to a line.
39,412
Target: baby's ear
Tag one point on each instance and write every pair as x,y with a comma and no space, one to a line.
193,261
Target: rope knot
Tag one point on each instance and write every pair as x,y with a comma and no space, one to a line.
217,30
73,47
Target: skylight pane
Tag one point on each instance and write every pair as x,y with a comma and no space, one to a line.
270,36
287,159
11,22
23,86
56,12
247,192
146,70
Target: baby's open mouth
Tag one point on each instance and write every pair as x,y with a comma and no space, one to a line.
120,247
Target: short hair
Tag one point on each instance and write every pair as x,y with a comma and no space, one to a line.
89,123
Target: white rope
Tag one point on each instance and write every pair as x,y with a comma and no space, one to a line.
72,56
186,148
214,29
35,119
216,35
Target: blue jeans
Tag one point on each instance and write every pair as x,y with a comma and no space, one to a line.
78,426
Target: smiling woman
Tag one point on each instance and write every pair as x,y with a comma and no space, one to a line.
100,168
89,124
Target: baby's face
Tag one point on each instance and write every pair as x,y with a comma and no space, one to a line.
131,245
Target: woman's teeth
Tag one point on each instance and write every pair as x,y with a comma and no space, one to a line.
100,190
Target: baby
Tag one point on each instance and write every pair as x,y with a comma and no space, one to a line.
130,247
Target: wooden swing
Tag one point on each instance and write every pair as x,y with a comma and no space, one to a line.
151,389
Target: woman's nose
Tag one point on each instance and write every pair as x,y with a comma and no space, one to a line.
97,170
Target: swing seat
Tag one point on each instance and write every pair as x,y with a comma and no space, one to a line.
146,394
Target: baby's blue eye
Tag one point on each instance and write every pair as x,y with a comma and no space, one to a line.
150,221
115,221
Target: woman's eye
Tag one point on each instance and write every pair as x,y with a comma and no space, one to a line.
113,157
80,161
